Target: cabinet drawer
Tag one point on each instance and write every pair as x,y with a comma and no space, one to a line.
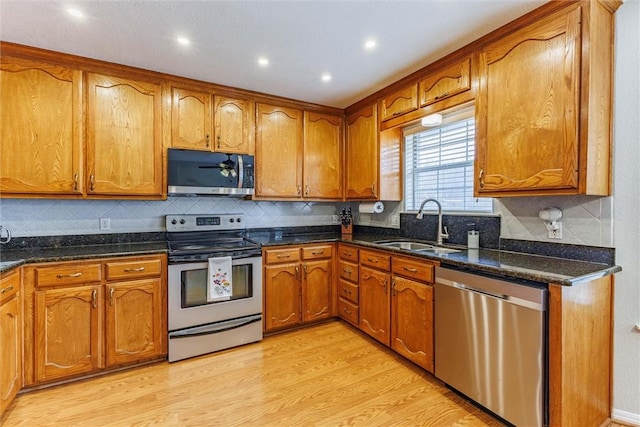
348,271
274,256
414,269
316,252
348,291
133,269
376,260
348,252
71,274
348,311
444,84
9,285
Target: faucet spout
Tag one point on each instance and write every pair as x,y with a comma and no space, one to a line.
442,232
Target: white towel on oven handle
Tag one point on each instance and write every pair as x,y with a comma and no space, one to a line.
220,281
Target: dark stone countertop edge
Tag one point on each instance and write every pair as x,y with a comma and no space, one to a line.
489,261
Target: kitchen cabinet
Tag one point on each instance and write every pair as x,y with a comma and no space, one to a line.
135,321
446,82
399,102
85,316
322,156
191,119
543,110
124,137
298,285
412,310
41,128
234,125
348,280
362,155
374,300
279,137
10,337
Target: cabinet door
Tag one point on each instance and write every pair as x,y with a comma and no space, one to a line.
375,304
68,332
282,295
234,125
316,290
412,321
446,83
134,321
11,339
527,108
191,119
399,102
40,128
322,167
362,155
124,140
278,152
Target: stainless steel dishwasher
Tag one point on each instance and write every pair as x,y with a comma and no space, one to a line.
490,343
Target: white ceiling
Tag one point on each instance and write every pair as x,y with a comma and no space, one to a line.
302,39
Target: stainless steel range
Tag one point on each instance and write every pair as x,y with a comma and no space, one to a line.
206,313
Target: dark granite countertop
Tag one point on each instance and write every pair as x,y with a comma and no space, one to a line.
14,258
535,268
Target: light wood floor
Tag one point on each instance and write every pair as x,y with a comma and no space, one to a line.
326,375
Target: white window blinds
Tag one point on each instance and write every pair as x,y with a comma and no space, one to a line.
439,164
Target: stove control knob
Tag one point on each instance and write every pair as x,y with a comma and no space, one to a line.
174,221
182,221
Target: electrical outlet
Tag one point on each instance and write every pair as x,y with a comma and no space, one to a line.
336,219
395,219
105,223
556,234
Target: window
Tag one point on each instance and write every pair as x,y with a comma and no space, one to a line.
439,165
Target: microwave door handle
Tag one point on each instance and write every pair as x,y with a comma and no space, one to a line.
240,171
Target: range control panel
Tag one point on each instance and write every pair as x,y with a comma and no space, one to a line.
204,222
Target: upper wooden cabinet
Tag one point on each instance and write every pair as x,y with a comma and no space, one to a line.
40,128
362,155
278,151
191,119
124,137
446,82
234,129
399,102
543,109
322,171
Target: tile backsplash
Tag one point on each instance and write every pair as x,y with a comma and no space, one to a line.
51,217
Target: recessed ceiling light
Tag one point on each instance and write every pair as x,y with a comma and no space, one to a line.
370,44
184,41
77,13
263,62
326,77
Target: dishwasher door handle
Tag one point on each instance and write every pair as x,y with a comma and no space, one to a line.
479,291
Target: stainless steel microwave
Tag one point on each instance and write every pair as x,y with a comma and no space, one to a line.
192,172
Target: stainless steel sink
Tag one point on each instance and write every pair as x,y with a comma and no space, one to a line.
418,247
410,246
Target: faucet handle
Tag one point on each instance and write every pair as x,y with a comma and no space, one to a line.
445,232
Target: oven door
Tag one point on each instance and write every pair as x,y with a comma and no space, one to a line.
187,299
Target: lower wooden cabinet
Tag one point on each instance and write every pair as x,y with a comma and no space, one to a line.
10,337
82,317
375,314
298,282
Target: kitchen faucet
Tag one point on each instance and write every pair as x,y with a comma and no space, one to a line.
442,231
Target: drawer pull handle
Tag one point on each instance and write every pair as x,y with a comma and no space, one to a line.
63,276
317,253
133,270
111,291
347,311
444,95
374,260
412,270
348,254
481,178
94,298
283,256
7,289
347,291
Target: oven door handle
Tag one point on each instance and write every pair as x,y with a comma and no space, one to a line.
215,328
